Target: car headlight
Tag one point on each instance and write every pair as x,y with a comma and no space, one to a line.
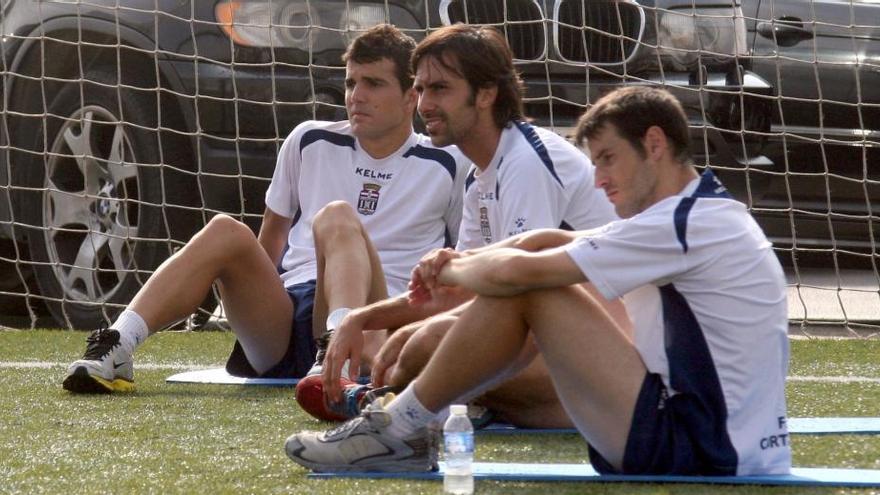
688,36
303,24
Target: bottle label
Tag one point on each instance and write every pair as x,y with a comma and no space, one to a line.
459,443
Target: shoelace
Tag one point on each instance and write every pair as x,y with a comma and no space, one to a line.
346,429
100,342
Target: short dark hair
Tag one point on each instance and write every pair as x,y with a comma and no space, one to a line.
634,109
384,41
483,59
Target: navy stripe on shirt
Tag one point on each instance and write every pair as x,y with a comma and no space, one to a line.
532,137
692,373
434,154
471,177
709,187
313,135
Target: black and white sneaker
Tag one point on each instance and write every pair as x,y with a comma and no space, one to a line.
105,367
364,444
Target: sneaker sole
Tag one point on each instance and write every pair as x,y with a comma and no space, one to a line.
81,382
374,466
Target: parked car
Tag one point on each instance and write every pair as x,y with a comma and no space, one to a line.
128,123
823,59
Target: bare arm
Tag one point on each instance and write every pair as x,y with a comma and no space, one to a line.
533,240
273,234
389,313
509,271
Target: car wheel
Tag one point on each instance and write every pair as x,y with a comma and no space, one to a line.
96,218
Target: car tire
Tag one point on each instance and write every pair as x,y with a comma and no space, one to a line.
16,282
96,227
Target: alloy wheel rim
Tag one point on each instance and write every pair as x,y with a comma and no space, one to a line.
90,205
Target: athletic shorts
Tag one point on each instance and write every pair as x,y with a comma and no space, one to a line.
663,437
301,349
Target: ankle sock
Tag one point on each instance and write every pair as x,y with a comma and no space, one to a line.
407,414
132,330
334,319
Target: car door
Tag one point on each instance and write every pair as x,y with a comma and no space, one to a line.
823,59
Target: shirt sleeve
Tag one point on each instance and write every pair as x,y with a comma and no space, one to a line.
282,196
627,254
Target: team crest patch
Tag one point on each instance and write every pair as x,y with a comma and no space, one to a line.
368,199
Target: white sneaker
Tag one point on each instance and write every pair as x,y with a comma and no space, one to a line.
363,444
104,368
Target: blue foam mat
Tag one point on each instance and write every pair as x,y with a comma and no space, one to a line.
807,426
585,473
221,377
811,426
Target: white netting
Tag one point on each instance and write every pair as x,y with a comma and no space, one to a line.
127,124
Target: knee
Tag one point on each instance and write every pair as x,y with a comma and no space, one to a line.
223,230
334,219
419,349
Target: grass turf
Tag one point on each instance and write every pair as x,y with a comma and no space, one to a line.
228,439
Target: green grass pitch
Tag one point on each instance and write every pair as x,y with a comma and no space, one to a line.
228,439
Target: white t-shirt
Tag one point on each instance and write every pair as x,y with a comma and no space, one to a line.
408,202
536,179
713,317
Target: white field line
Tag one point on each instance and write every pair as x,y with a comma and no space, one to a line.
191,366
834,379
143,366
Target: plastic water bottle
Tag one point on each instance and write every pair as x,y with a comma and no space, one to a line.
458,439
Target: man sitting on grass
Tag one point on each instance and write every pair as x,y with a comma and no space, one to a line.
352,206
523,178
700,389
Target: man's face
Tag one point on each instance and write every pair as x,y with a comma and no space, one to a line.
625,175
374,100
446,103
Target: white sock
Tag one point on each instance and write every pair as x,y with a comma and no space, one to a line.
335,318
132,330
407,414
333,322
443,415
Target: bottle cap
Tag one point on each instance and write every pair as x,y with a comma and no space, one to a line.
458,409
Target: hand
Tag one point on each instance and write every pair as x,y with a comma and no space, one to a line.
418,293
347,343
387,356
428,270
441,298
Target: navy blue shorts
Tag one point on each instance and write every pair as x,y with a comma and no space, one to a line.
301,350
668,436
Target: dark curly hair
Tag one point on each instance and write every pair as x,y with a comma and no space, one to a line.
482,57
384,41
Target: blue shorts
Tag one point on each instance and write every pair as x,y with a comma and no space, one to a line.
301,349
676,435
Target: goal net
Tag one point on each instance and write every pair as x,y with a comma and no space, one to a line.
127,125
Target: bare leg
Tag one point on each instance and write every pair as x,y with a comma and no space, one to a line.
225,251
529,399
349,270
525,397
595,368
419,348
